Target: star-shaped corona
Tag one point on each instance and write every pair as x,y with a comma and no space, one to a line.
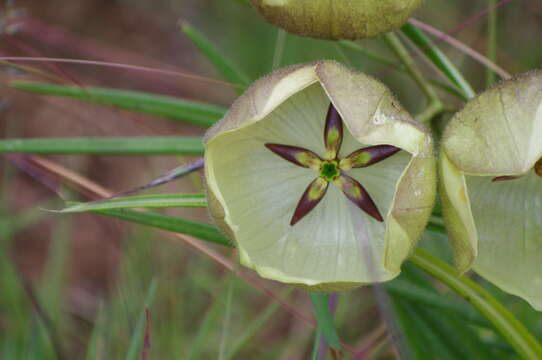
332,169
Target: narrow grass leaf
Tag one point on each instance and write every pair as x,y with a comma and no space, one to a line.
219,61
205,329
97,335
324,318
438,58
316,344
170,223
412,341
408,290
142,201
136,342
192,112
504,321
172,145
252,329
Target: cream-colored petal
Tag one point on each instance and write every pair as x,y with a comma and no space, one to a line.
498,133
507,216
264,96
336,241
336,245
369,110
457,214
374,116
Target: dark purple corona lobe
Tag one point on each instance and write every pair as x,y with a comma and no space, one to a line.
311,197
333,133
332,168
356,193
369,156
296,155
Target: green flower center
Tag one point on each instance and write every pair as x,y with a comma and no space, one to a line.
329,170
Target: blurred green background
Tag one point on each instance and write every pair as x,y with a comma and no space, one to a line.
93,277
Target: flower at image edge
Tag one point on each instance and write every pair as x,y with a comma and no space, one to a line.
491,168
256,184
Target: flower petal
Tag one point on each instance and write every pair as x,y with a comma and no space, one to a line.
254,193
507,216
498,133
340,246
458,214
311,197
368,156
264,96
333,133
356,193
374,117
296,155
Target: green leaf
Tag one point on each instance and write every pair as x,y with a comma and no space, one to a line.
440,60
417,340
410,291
220,63
178,145
142,201
192,112
320,303
136,342
170,223
503,320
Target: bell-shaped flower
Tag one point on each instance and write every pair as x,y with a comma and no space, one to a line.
492,187
337,19
320,177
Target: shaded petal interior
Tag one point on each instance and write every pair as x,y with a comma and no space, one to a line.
509,225
336,241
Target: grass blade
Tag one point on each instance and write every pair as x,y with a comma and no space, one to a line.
220,63
440,60
143,201
178,145
168,107
170,223
412,292
510,328
324,318
139,332
251,329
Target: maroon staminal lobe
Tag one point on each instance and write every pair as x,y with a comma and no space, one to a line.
504,178
371,155
333,132
356,193
296,155
311,197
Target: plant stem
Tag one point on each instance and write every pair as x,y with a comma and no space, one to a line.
434,108
402,53
503,320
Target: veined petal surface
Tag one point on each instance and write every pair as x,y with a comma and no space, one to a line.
255,192
495,226
508,216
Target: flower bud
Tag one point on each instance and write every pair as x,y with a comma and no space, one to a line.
491,186
320,177
337,19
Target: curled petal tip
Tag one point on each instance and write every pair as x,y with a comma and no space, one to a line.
311,197
356,193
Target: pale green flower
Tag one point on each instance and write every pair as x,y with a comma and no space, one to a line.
492,189
274,142
337,19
